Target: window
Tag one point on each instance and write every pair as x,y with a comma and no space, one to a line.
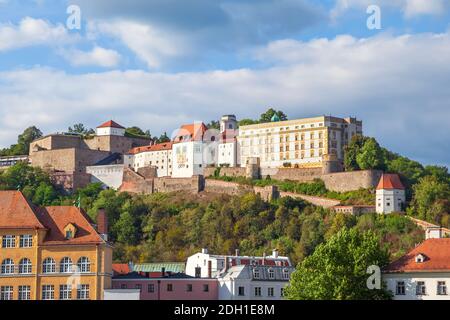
26,241
271,274
139,287
169,287
420,288
282,292
49,266
285,274
151,288
65,266
83,292
6,293
84,265
48,292
25,266
206,288
8,266
9,241
123,286
270,292
24,293
400,288
257,291
241,291
65,292
441,288
189,287
256,273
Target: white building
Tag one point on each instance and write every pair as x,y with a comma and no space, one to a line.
205,265
298,143
229,150
422,274
254,282
158,156
110,128
122,294
194,148
390,195
111,176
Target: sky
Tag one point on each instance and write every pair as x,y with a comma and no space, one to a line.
158,64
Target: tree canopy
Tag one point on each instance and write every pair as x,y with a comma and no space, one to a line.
22,147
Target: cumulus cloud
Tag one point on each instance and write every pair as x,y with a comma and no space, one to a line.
98,56
30,32
398,85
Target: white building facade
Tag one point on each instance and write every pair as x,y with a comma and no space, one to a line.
194,148
158,156
111,176
390,194
228,150
297,143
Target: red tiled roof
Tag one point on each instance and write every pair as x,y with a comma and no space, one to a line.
156,147
57,218
190,132
110,124
121,268
17,212
390,181
437,258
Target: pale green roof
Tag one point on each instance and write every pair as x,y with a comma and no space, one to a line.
174,267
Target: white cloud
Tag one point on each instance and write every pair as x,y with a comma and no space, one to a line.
30,32
151,45
98,56
397,85
410,8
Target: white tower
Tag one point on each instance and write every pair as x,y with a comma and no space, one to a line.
228,122
390,194
110,128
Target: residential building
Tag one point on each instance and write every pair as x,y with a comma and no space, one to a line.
51,253
228,149
297,143
254,282
158,156
421,274
166,286
390,194
194,148
205,265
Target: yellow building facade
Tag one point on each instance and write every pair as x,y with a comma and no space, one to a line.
52,253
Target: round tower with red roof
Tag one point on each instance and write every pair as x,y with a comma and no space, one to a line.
390,194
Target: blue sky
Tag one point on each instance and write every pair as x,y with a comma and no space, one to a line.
158,64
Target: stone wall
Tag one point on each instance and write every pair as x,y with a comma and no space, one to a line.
231,188
135,183
318,201
229,172
70,181
352,180
194,184
294,174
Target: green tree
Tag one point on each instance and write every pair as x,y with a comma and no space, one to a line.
267,116
163,138
137,132
370,156
337,269
80,129
23,142
431,198
411,170
351,151
213,124
247,122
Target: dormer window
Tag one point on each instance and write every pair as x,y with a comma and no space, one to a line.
420,258
70,231
256,273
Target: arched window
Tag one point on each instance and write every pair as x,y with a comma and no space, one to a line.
65,265
8,266
25,266
49,266
84,265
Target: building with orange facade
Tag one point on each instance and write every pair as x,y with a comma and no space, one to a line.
51,253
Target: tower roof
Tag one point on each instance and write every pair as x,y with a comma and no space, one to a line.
110,124
390,181
275,118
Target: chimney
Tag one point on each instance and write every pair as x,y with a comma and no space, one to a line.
163,272
236,253
205,251
102,224
264,259
209,269
275,253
